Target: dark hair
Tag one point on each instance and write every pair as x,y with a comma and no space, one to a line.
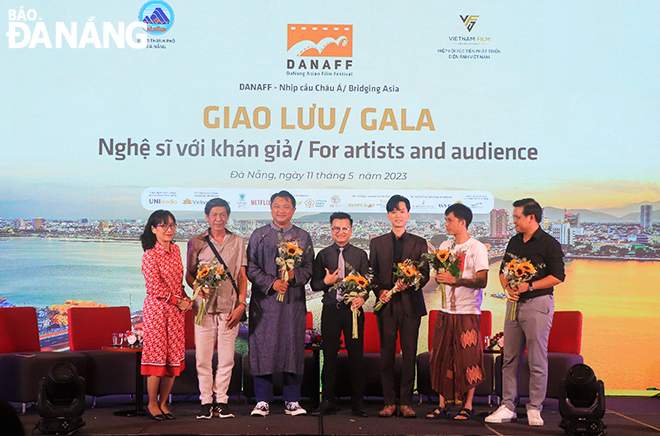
283,194
216,202
460,211
394,201
341,216
148,237
530,207
9,420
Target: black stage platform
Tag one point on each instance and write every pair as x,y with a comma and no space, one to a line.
625,416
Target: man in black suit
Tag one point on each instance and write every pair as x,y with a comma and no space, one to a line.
330,266
404,310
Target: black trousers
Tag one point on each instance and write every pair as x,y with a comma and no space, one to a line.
390,323
335,319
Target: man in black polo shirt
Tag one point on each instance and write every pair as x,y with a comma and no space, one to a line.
330,266
536,307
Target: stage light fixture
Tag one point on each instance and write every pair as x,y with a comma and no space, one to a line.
582,402
61,400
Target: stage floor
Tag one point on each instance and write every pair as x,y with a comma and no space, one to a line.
625,416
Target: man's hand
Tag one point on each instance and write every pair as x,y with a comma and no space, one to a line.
357,303
523,287
331,278
289,275
512,294
382,296
400,286
445,277
280,286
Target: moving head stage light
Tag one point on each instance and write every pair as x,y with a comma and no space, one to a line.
61,400
582,402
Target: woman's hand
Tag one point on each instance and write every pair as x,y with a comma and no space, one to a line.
235,316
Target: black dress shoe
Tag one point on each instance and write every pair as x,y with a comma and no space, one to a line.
159,417
359,410
326,407
169,415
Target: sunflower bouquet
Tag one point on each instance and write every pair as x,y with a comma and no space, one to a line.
290,256
406,271
209,276
351,287
517,271
445,260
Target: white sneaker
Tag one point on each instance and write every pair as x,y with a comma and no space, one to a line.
261,409
293,409
534,417
503,414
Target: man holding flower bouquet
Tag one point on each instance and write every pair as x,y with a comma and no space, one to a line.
457,352
219,304
332,265
278,306
532,306
403,303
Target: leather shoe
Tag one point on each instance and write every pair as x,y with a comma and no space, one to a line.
358,409
407,412
388,411
159,417
326,407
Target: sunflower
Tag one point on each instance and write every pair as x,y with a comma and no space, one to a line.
401,265
350,278
203,272
442,255
512,265
528,267
408,272
292,249
361,281
520,272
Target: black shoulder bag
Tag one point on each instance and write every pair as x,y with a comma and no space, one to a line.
231,278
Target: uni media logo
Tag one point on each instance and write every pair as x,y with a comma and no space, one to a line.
158,16
469,21
320,40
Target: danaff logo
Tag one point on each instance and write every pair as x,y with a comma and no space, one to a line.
320,40
158,16
469,21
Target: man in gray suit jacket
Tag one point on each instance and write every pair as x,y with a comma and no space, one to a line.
403,311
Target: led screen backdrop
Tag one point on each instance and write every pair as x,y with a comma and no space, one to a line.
110,111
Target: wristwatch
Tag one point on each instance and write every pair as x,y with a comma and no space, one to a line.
244,303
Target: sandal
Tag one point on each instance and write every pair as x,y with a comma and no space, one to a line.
464,414
439,414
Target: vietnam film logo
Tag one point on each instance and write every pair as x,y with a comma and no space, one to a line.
316,41
158,16
469,21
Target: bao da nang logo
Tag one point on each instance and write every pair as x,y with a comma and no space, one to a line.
158,16
314,44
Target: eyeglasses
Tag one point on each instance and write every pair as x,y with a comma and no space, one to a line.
170,226
340,229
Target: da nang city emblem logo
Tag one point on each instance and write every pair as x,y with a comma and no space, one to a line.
320,40
158,16
469,21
